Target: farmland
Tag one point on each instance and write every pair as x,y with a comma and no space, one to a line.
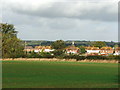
56,74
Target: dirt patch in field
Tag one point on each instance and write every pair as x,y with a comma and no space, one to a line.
100,61
55,59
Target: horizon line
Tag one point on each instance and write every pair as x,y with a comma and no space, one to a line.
67,40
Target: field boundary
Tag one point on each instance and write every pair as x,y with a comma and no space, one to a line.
55,59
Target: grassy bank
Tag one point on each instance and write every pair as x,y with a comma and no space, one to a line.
45,74
56,59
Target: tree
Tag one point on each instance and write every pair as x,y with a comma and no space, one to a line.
82,49
33,54
59,46
11,46
46,55
57,52
98,44
116,45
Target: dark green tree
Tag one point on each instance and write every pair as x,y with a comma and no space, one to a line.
58,52
82,49
98,44
12,47
46,55
59,46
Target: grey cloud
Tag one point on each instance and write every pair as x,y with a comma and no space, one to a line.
69,10
63,21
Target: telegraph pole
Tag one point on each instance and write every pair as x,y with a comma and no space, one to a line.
25,47
25,44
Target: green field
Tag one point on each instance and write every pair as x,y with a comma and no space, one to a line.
46,74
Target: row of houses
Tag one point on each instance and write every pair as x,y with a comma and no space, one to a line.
38,49
95,50
103,51
76,50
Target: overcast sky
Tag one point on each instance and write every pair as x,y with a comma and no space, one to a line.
62,19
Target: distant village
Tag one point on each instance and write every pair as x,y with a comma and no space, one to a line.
72,49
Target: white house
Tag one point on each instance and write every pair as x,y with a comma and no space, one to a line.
117,51
72,49
92,50
43,48
48,49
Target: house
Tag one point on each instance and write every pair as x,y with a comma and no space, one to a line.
92,50
43,48
117,51
28,48
106,51
38,48
48,49
72,49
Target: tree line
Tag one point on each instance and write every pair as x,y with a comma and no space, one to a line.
34,43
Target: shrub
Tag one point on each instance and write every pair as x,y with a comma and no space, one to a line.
73,56
96,57
117,57
81,58
46,55
114,57
57,52
33,55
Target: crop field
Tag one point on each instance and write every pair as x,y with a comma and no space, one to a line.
59,74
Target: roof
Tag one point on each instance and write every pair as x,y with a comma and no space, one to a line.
42,47
92,48
106,48
38,47
28,47
72,48
48,47
117,48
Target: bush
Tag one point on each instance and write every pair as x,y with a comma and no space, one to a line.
73,56
33,55
117,57
57,52
96,57
112,57
81,58
46,55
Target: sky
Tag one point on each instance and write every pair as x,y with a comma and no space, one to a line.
62,19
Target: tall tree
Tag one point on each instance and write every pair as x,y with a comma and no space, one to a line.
59,46
11,46
98,44
82,49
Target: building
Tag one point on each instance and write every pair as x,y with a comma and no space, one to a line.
106,51
117,51
28,49
72,49
43,48
38,48
92,50
48,49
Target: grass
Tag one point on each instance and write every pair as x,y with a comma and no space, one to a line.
45,74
